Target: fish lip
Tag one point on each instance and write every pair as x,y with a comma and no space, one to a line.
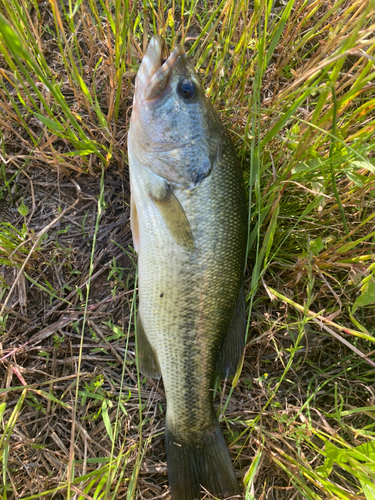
158,80
153,55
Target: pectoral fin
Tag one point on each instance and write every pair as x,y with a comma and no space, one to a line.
174,216
134,223
233,345
147,359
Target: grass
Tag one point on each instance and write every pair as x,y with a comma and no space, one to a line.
293,82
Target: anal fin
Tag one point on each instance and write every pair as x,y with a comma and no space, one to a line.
147,359
233,345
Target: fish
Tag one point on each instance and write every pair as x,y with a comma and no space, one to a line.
189,226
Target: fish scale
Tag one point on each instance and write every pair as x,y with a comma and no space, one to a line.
199,288
188,286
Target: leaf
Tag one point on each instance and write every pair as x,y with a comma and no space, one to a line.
308,166
4,460
133,480
52,398
51,124
100,487
11,38
283,120
325,469
317,245
100,115
359,180
364,164
367,296
2,410
359,461
270,234
106,420
76,7
38,446
84,88
23,209
251,474
367,449
12,420
80,152
280,26
334,453
368,490
353,244
89,394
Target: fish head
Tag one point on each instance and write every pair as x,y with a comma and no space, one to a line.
174,128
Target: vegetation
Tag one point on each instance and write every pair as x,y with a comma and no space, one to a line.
294,83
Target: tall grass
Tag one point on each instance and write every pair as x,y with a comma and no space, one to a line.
293,82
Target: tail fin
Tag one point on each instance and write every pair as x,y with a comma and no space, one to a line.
193,463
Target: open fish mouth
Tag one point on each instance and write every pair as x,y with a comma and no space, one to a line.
154,72
159,79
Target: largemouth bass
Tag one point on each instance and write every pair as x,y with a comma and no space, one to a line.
189,224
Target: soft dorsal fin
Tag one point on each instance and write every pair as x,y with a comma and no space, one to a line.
233,345
174,215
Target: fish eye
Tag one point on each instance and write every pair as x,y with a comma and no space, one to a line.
186,88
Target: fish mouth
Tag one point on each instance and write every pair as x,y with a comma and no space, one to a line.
158,71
